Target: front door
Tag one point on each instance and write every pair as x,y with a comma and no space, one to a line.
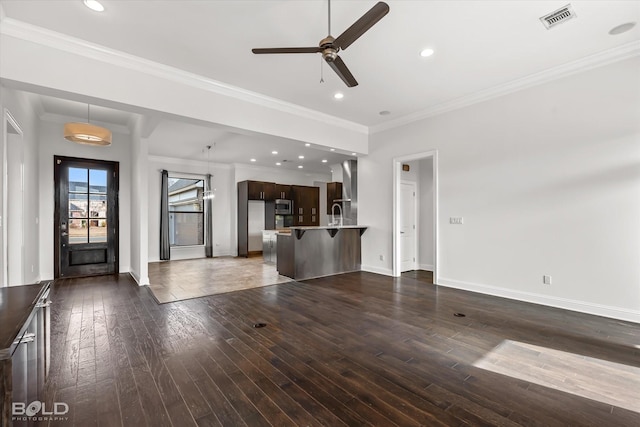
86,217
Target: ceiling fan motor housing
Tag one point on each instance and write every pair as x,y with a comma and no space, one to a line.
329,51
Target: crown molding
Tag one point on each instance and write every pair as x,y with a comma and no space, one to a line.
32,33
599,59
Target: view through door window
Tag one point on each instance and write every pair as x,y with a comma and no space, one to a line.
87,206
186,212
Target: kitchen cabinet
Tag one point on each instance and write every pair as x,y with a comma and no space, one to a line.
306,205
259,190
25,352
283,192
334,192
251,191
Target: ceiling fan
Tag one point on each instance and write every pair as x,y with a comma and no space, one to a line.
329,46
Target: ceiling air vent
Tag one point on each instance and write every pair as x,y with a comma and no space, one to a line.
558,17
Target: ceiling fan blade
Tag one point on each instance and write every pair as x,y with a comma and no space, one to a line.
359,27
288,50
343,72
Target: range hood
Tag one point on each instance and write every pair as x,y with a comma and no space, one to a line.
349,192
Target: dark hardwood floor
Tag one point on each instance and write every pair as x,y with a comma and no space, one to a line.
356,349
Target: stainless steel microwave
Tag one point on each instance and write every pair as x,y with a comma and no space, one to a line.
284,207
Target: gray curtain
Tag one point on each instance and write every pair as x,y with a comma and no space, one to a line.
208,219
165,246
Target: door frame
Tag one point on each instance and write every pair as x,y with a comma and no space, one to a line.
396,244
9,120
56,210
416,221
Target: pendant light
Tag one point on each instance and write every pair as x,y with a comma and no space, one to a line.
86,133
208,194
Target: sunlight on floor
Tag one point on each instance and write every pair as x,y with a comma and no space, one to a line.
602,380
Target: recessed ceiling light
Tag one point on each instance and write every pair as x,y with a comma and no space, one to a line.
94,5
274,152
426,53
253,160
307,145
301,157
278,164
353,154
338,95
300,166
332,149
622,28
324,160
384,113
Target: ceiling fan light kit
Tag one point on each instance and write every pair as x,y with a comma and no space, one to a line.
330,46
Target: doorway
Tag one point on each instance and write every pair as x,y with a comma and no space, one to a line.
86,217
423,208
12,203
408,222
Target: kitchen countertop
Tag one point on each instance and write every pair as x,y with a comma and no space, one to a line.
16,306
328,227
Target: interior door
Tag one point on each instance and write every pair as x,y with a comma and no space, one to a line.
86,217
408,226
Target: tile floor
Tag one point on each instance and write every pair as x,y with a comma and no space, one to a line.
184,279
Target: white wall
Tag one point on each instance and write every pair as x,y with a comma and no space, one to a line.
547,180
139,206
17,104
51,142
32,60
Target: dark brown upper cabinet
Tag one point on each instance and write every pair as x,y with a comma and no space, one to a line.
260,190
283,192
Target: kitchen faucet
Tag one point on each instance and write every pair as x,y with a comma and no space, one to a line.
333,216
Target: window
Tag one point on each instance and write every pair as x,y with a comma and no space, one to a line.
87,206
186,212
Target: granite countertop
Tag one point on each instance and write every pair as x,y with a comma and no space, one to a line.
17,304
328,227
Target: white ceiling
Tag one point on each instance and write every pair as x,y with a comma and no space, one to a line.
478,45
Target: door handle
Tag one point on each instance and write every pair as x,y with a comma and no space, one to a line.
64,234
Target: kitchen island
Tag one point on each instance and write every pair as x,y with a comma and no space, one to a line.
309,252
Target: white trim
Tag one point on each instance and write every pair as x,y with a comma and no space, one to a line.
397,171
377,270
427,267
564,303
599,59
138,280
32,33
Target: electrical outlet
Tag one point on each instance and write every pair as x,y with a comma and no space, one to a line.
546,280
381,257
456,220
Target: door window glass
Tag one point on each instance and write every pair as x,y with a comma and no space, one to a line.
87,206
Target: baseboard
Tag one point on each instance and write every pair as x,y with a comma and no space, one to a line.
428,267
564,303
137,279
377,270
